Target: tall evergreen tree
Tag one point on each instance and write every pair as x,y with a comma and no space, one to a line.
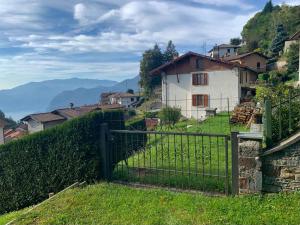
170,52
235,41
268,7
152,59
278,41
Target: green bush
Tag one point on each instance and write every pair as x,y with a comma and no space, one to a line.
170,115
51,160
151,114
136,123
126,144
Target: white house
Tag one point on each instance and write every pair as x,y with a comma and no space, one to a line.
42,121
223,50
196,83
124,99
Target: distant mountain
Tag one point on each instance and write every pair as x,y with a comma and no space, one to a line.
82,96
36,96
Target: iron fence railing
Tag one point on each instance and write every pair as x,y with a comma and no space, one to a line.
182,160
281,117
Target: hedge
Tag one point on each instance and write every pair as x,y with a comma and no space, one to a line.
127,144
51,160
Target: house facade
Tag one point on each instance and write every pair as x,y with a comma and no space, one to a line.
124,99
254,60
196,83
223,50
42,121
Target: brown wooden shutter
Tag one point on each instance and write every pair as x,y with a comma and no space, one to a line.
194,79
194,100
205,78
205,100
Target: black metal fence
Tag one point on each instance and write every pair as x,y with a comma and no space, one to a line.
281,118
182,160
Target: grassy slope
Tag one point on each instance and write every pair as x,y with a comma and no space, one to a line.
114,204
183,159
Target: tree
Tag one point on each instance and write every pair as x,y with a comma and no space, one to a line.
278,41
2,115
293,58
170,52
235,41
130,91
151,59
268,7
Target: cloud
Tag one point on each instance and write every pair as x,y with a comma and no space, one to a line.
32,67
288,2
232,3
137,25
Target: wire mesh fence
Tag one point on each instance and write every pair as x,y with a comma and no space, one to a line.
181,160
197,114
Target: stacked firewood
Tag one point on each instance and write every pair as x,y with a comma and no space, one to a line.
243,113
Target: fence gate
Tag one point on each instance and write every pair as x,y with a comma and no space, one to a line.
178,160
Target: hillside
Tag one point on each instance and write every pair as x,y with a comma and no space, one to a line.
260,30
35,96
83,96
115,204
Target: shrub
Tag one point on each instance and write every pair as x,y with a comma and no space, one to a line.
136,123
53,159
151,114
170,115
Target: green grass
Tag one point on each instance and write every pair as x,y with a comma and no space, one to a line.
4,219
193,162
116,204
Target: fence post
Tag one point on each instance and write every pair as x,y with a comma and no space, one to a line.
105,152
268,123
234,163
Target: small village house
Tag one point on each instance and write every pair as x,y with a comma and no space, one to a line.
254,60
42,121
196,83
223,50
125,99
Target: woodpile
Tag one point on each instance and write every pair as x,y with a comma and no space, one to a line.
244,113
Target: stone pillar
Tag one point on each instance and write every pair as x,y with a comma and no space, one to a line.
250,173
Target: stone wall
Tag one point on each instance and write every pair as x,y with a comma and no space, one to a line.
281,169
250,174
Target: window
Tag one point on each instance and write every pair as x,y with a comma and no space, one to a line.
228,50
200,100
200,79
258,65
132,99
199,64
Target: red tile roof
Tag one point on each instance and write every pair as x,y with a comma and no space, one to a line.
43,117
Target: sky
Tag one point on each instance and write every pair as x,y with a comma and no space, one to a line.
104,39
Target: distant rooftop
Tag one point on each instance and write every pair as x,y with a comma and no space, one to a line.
224,46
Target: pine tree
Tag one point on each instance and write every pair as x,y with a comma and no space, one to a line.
152,59
170,52
268,7
278,41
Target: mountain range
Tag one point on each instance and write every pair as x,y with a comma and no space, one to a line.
58,93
